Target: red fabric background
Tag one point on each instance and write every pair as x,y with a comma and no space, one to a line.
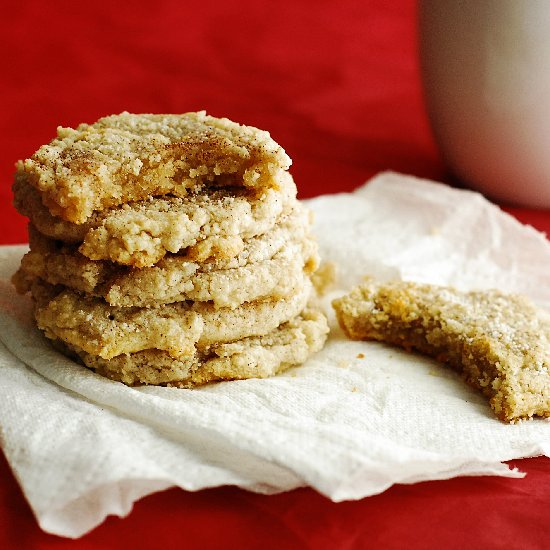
336,83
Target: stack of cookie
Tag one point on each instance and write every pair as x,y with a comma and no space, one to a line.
169,249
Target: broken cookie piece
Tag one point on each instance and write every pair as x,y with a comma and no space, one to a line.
499,342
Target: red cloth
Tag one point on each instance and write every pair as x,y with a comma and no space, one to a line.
336,83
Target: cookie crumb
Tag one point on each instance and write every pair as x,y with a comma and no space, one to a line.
324,278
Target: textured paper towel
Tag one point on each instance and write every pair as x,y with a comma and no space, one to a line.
83,447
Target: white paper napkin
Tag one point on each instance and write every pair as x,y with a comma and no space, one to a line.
83,447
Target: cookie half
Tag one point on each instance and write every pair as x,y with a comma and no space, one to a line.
499,342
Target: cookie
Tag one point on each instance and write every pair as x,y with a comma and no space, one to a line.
107,331
253,357
176,278
139,234
128,157
499,342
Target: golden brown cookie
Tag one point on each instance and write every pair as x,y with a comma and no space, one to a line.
107,331
226,283
253,357
499,342
129,157
169,249
214,223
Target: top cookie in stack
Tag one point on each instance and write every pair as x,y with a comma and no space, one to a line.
169,249
124,158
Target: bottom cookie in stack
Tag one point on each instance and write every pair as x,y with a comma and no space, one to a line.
183,343
289,344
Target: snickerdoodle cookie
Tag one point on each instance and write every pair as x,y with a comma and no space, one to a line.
253,357
270,266
213,222
131,157
499,342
